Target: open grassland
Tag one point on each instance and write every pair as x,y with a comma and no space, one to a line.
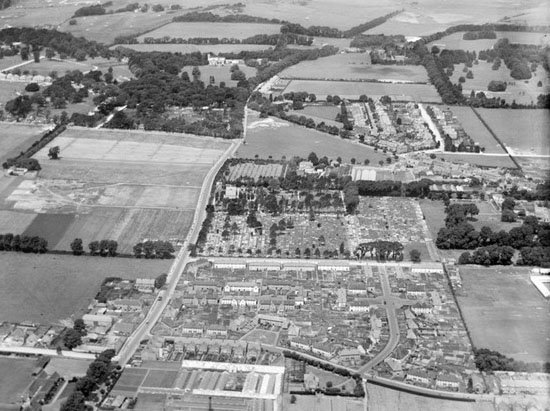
186,30
277,138
505,312
9,61
48,288
475,128
33,13
382,399
221,73
525,132
10,90
14,383
325,112
455,42
46,66
522,91
482,160
352,90
126,186
353,66
15,138
191,48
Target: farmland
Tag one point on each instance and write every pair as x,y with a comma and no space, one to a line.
126,186
278,138
525,132
353,66
220,30
523,92
15,138
455,42
505,312
49,288
476,130
352,90
191,48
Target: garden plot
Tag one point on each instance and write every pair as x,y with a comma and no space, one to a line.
255,171
389,219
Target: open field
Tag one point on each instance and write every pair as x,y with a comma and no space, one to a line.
8,61
277,138
10,90
15,138
48,288
525,132
353,66
324,112
455,42
505,312
352,90
127,186
522,91
482,160
474,127
46,66
191,48
221,73
14,383
37,12
262,337
220,30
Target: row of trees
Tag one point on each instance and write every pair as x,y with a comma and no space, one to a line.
380,250
154,250
23,243
266,39
490,361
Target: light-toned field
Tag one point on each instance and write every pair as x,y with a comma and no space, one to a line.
505,312
10,90
46,66
31,13
522,91
455,42
15,138
222,73
8,61
14,383
353,66
523,131
15,222
482,160
352,90
220,30
476,129
325,112
48,288
191,48
277,138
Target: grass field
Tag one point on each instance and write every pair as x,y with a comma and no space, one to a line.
15,138
277,138
353,66
325,112
352,90
525,132
455,42
505,312
46,66
48,288
160,378
220,30
14,383
522,91
222,73
190,48
477,130
482,160
262,336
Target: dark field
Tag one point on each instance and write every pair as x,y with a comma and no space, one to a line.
52,227
14,383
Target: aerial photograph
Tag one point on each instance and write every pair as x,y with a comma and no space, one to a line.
275,205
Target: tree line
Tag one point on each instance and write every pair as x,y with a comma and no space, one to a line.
267,39
154,250
490,361
23,243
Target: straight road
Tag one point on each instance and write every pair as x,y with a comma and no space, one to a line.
181,260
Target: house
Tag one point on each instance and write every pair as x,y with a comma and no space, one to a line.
242,286
447,381
231,264
421,308
264,266
145,285
323,350
333,266
126,304
359,307
216,330
300,344
192,329
477,383
349,354
419,377
205,287
94,320
298,266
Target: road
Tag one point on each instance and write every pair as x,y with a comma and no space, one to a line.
393,325
181,260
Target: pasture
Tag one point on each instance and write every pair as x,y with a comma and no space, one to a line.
522,91
278,138
46,66
353,66
474,127
201,29
48,288
16,137
352,90
505,312
455,42
191,48
524,132
14,383
127,186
